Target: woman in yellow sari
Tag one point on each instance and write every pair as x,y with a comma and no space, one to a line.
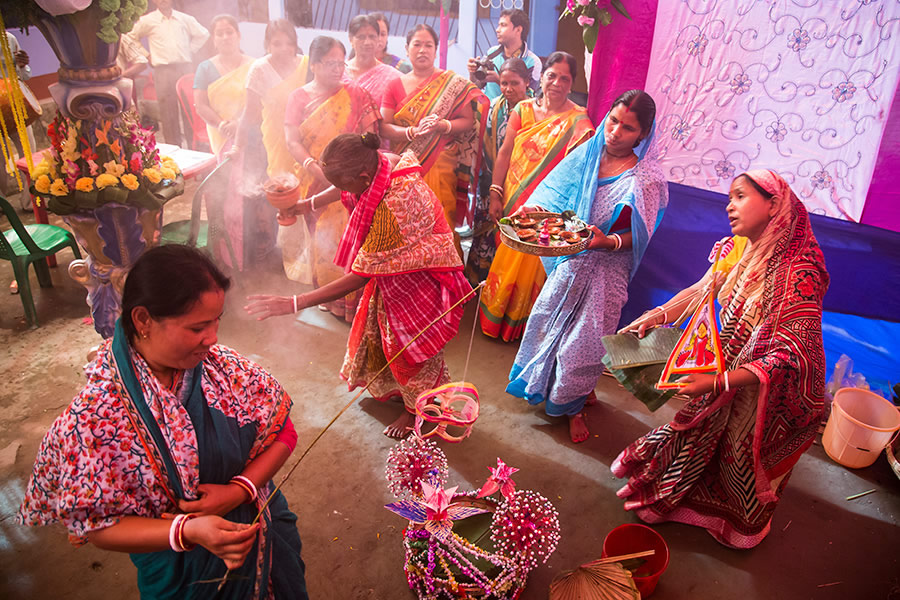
270,80
441,117
219,92
317,113
260,146
540,133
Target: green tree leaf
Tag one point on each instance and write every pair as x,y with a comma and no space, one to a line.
620,8
604,17
589,35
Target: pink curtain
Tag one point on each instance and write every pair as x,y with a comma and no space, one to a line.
621,57
882,207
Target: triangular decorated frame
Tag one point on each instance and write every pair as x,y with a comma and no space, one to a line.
699,349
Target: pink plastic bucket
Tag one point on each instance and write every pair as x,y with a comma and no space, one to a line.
634,537
861,424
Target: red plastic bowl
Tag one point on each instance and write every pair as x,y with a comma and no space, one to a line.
634,537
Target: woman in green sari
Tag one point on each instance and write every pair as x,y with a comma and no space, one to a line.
169,450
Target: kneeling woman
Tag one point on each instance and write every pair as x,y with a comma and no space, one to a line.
170,422
722,463
398,246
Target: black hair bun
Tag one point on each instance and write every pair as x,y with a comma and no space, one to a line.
371,140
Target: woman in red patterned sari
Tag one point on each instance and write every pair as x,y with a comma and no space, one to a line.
398,249
724,460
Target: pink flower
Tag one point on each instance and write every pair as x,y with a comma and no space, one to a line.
436,501
585,21
584,3
94,168
570,5
500,479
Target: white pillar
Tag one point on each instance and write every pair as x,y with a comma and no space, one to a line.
468,17
276,9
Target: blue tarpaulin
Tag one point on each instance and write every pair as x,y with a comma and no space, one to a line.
862,306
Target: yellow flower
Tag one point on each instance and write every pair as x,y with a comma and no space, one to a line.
153,175
58,188
168,162
114,168
106,179
167,173
43,168
42,184
84,184
130,181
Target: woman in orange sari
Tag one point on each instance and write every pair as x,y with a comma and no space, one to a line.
441,117
317,113
540,133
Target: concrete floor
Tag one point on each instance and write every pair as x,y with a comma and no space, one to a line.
821,547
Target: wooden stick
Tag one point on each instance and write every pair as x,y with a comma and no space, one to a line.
861,494
620,558
348,405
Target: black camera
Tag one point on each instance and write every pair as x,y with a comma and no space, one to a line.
484,65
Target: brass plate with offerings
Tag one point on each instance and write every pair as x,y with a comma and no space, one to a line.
545,233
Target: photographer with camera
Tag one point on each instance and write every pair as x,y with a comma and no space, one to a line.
512,29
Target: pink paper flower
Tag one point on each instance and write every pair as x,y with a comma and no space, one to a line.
570,5
500,479
437,500
585,21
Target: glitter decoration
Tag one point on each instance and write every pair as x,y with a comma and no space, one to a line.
526,527
443,565
412,462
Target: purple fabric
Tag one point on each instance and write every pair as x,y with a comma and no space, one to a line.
621,57
882,208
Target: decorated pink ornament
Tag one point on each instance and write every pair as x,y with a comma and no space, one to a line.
413,461
450,405
585,21
437,500
500,479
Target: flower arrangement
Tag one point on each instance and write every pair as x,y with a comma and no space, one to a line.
591,14
113,162
116,16
441,561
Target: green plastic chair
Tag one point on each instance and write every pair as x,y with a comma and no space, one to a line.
195,232
32,244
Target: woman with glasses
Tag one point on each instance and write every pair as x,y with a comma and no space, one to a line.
317,113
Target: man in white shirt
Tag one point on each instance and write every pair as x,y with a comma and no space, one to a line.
512,31
173,37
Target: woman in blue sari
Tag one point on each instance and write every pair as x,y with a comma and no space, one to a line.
614,183
169,450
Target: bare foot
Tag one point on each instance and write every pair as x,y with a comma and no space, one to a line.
401,428
578,430
591,399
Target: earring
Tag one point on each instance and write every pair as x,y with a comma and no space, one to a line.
144,335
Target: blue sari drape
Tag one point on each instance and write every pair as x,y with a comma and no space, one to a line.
224,449
572,185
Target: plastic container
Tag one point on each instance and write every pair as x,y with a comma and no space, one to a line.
861,424
634,537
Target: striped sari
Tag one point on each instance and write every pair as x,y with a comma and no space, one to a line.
321,119
450,164
516,279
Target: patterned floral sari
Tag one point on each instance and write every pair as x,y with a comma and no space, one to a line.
308,255
127,445
723,462
408,252
516,279
449,164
